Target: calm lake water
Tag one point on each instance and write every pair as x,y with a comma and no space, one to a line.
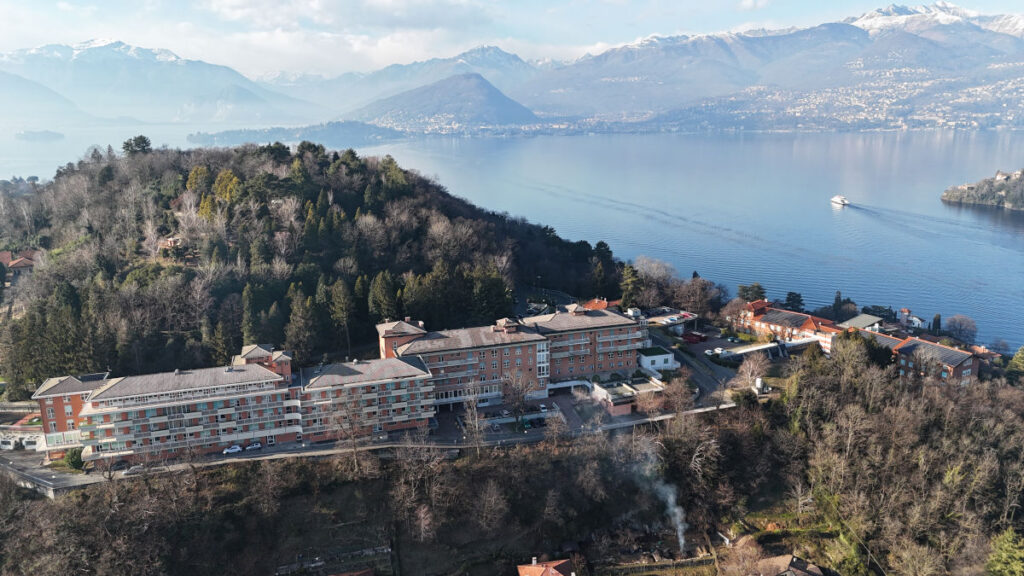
741,209
738,209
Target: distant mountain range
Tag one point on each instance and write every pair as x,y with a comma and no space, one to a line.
892,68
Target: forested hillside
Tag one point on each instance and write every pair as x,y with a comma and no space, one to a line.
163,259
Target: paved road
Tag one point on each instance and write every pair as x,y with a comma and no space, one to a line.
707,379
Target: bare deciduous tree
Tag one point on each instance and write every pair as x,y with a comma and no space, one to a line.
491,506
754,366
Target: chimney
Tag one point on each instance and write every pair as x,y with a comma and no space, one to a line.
534,561
228,368
177,371
408,319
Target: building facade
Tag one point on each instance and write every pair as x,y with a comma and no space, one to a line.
922,358
364,397
158,416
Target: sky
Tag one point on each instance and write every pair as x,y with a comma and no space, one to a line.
330,37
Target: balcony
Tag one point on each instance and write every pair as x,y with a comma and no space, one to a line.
581,352
458,362
620,348
627,336
570,342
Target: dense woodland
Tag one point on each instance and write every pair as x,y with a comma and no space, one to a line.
305,249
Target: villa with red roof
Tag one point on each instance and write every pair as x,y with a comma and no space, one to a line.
924,358
760,318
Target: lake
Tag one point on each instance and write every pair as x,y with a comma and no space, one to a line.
736,208
755,208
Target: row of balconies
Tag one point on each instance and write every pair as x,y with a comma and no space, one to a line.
569,342
581,352
626,336
621,348
194,395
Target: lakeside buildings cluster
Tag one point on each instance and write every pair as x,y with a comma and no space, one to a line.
257,398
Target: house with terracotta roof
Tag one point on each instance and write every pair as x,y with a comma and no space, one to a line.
601,304
20,263
550,568
760,318
920,357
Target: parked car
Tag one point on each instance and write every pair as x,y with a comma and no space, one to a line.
254,446
692,337
719,350
495,428
137,469
733,339
709,352
120,465
233,449
506,413
543,408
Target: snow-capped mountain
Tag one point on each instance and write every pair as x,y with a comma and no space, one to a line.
114,79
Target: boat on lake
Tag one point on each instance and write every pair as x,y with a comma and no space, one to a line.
840,200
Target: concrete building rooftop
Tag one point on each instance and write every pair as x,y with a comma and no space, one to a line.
363,372
468,338
164,382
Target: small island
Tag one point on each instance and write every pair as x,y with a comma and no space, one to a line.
38,136
1004,190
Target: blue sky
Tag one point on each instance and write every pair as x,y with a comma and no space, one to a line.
334,36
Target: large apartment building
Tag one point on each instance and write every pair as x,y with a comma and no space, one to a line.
544,352
254,399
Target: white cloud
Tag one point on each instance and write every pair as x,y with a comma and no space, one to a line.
753,4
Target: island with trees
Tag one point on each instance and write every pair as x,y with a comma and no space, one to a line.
1004,190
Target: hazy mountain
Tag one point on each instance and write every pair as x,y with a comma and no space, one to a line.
331,134
25,104
114,79
350,91
455,103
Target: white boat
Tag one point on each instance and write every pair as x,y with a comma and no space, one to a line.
840,200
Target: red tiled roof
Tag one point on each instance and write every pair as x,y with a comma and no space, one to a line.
21,263
601,304
6,257
552,568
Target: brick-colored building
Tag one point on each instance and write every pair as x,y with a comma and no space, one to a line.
167,415
760,318
364,397
60,405
917,356
548,351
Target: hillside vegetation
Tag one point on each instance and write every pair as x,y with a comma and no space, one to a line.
1002,191
163,259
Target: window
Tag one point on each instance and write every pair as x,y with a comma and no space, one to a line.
494,364
967,372
53,426
506,352
504,363
519,350
67,399
49,413
67,409
519,361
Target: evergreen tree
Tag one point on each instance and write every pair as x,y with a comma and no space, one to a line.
381,302
343,311
227,187
794,302
250,327
299,335
221,348
491,298
273,328
1007,556
597,278
752,292
1015,368
936,326
630,286
198,180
